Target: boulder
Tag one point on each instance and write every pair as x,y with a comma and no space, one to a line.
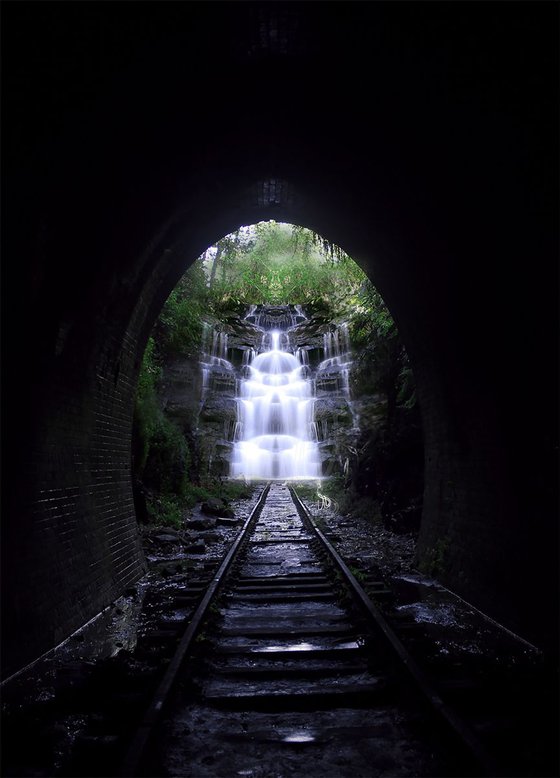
225,521
211,536
167,537
198,547
216,507
204,522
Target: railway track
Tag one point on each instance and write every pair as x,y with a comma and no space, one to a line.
274,662
286,652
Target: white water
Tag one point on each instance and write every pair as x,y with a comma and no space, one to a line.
275,434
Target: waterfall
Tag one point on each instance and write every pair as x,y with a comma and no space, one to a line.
332,382
333,372
275,396
276,434
217,370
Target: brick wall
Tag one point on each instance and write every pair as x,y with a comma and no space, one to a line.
74,544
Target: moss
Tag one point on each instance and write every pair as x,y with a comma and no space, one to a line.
358,574
435,563
306,490
166,510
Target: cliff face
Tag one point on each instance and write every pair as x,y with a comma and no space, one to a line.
180,392
379,462
202,397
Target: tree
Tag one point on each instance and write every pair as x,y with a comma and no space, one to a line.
281,264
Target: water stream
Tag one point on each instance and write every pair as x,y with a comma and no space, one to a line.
276,437
275,400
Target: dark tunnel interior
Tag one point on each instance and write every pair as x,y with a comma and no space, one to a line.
423,138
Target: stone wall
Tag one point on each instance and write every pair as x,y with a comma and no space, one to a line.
75,545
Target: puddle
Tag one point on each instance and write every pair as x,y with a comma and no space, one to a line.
299,736
418,580
466,647
266,568
306,647
290,647
444,615
343,743
410,589
176,616
284,610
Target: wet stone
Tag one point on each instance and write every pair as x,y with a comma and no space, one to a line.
330,684
216,507
198,547
341,743
211,536
225,521
167,538
204,522
309,610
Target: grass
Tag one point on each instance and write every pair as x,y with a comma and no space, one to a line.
168,510
358,574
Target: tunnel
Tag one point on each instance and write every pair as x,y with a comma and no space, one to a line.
421,138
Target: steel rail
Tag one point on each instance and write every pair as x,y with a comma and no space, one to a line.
458,726
156,707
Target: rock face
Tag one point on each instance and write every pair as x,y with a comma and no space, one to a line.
202,396
335,414
389,467
180,393
321,346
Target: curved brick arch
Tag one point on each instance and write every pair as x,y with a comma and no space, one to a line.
424,196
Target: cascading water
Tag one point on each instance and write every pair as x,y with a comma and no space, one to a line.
275,396
336,364
275,434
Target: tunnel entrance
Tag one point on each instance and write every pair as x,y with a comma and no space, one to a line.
441,200
276,358
89,494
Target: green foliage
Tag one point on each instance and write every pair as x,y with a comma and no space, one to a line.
278,264
347,502
166,510
282,265
225,490
215,487
162,460
381,362
306,490
168,459
179,326
434,563
407,388
165,466
334,493
147,409
358,574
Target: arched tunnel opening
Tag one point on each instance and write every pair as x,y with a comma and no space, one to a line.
425,148
82,424
346,412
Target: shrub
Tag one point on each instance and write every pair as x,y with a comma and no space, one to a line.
165,509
